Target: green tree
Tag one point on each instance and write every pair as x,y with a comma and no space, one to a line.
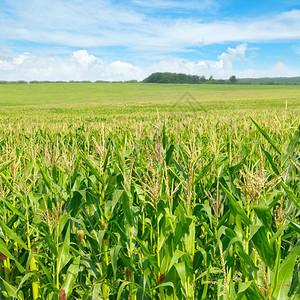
232,79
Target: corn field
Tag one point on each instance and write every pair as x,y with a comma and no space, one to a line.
169,207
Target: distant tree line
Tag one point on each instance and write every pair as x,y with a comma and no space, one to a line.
61,81
167,77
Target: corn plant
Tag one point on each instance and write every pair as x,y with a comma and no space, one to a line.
160,208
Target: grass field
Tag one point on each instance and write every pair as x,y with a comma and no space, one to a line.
129,191
67,93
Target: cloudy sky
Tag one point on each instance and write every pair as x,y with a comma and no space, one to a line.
123,40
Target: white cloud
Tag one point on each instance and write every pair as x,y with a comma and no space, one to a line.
80,66
83,66
221,68
97,23
279,69
183,33
84,59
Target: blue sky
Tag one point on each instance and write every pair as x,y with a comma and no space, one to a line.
122,40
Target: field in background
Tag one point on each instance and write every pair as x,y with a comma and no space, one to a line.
140,191
67,93
94,102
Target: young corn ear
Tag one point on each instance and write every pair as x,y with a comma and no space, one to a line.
80,236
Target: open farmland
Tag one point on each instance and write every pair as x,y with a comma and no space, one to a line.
129,191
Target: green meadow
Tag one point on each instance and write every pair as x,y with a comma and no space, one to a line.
104,93
149,191
99,101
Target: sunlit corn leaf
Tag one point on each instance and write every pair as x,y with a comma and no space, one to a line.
249,290
71,276
266,136
294,142
63,252
11,290
291,195
281,286
13,236
235,207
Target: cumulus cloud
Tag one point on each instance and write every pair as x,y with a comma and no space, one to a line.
224,66
80,66
278,69
84,66
221,68
85,60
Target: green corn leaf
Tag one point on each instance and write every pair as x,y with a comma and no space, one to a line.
204,171
175,257
294,142
212,270
276,268
89,264
235,208
188,264
45,176
266,137
127,208
169,155
51,244
164,136
250,291
62,222
165,284
290,194
4,249
152,260
5,165
24,279
270,159
245,257
282,285
13,209
71,276
240,249
224,219
75,172
11,290
123,286
264,214
13,236
63,252
294,225
76,201
263,247
97,291
121,289
91,167
180,169
45,270
105,163
181,271
278,233
114,253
